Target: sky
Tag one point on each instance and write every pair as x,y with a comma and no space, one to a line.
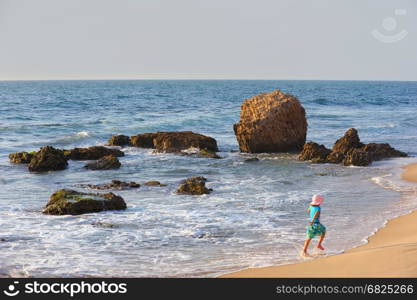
208,39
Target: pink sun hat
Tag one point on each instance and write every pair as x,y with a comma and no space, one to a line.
317,200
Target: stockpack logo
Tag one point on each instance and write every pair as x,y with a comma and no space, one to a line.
12,290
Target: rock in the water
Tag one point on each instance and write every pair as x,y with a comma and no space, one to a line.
182,140
113,185
357,157
104,225
314,152
144,140
349,141
154,183
91,153
70,202
106,163
335,157
252,159
119,140
208,154
273,122
48,159
382,151
194,186
21,157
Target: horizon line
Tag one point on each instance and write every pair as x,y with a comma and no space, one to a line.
202,79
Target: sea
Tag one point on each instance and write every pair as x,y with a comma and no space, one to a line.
257,213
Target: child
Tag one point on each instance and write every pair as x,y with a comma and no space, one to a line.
315,228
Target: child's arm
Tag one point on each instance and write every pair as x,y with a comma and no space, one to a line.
315,217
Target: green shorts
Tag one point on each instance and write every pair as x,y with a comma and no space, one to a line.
314,230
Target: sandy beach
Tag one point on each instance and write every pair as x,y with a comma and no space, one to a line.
391,252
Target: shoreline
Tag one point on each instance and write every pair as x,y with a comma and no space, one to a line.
390,252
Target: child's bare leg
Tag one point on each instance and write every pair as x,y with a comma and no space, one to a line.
306,243
321,241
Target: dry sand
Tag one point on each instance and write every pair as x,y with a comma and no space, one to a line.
391,252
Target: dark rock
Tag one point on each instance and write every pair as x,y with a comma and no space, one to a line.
273,122
357,157
70,202
314,152
208,154
48,159
349,141
182,140
21,157
144,140
252,159
104,225
113,185
382,151
91,153
119,140
194,186
335,157
154,183
106,163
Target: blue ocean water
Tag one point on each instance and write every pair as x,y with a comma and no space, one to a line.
257,213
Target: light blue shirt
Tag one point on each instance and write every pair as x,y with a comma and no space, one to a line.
313,210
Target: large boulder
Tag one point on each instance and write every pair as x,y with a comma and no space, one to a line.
314,152
91,153
48,159
21,157
119,140
70,202
105,163
273,122
194,186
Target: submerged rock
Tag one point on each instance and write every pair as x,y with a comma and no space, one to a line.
314,152
252,159
113,185
104,225
119,140
194,186
273,122
70,202
91,153
48,159
208,154
154,183
106,163
21,157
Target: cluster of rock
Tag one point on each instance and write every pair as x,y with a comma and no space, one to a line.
168,142
50,159
349,151
271,122
71,202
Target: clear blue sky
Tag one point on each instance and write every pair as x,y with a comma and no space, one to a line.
213,39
